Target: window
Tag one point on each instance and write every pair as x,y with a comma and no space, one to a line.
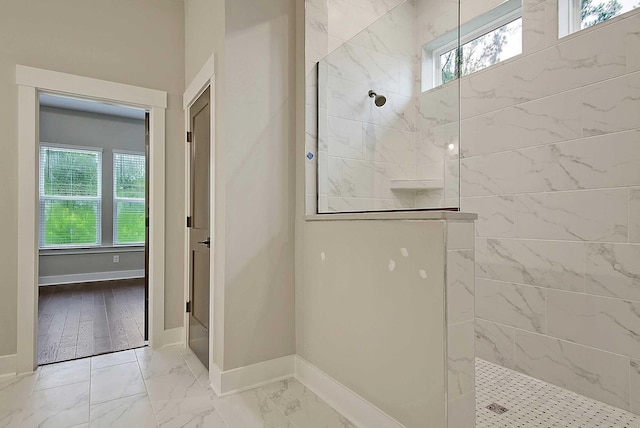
576,15
70,197
497,45
128,199
484,41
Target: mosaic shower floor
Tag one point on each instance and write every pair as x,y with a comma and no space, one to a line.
533,403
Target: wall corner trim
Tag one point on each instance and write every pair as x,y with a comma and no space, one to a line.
173,336
252,376
347,402
199,82
8,365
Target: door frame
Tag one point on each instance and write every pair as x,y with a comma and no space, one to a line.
31,81
203,80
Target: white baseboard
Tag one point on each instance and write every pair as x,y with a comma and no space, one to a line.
248,377
348,403
215,378
355,408
8,365
173,336
90,277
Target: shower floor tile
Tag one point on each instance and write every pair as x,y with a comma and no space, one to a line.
534,403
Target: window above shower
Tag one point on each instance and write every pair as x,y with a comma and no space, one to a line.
485,40
576,15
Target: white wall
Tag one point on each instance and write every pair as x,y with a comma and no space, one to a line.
259,177
146,48
253,237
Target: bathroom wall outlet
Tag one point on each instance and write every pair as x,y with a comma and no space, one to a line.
116,259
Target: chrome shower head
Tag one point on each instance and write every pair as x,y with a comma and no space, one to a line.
379,100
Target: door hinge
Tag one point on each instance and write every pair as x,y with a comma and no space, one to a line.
189,221
189,137
188,307
146,222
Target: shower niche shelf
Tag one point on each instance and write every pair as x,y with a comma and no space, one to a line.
416,184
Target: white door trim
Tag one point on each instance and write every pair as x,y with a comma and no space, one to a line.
203,80
31,81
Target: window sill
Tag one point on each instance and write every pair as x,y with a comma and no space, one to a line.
91,250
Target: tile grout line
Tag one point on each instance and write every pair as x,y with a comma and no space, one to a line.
146,389
559,290
551,143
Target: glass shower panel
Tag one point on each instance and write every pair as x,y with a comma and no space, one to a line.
388,114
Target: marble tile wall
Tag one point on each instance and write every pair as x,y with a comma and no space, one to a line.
381,55
439,108
377,44
460,324
367,146
551,164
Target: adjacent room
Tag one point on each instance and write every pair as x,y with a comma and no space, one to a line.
92,179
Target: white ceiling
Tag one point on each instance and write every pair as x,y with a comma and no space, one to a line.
78,104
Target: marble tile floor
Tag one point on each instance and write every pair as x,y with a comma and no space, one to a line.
152,388
532,403
169,388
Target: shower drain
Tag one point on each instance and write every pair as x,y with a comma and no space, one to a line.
494,407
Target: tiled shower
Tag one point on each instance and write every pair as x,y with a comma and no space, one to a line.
544,146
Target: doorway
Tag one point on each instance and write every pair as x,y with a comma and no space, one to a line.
93,234
31,82
198,223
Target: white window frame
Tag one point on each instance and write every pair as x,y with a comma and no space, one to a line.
117,199
569,17
469,37
43,198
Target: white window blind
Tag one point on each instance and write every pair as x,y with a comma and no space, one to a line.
128,199
70,197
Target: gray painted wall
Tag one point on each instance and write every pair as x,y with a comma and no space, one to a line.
77,128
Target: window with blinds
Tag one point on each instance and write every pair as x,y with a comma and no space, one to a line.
70,197
128,199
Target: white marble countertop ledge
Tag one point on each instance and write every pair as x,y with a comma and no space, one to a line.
396,215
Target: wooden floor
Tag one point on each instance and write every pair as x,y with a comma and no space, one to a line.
80,320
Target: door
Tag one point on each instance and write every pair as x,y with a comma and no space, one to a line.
199,237
146,226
